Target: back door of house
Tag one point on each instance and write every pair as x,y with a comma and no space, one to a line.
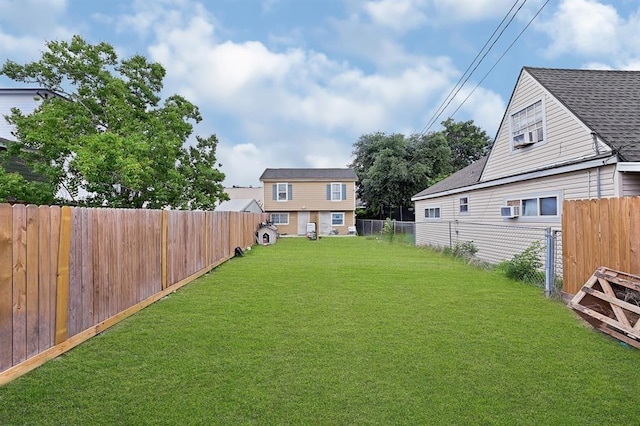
325,223
303,219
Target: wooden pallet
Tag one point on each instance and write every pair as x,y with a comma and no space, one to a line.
601,303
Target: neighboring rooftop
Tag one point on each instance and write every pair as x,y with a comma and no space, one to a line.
465,177
607,101
309,174
16,164
239,205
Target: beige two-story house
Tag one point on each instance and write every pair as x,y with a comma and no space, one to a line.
296,197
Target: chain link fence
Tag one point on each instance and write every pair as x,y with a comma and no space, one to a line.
402,230
529,254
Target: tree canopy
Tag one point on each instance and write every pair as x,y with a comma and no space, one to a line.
392,168
108,140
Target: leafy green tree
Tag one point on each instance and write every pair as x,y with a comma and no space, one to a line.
467,141
108,140
392,168
14,187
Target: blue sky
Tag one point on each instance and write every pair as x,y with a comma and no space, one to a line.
292,83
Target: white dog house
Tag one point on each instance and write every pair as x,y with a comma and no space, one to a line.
266,234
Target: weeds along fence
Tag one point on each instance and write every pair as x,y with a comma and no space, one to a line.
599,232
67,273
375,227
497,243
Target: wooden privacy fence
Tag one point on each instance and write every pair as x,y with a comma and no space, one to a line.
67,273
599,232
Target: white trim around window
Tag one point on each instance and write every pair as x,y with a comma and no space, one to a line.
282,191
528,126
280,218
336,192
463,204
337,218
537,206
432,212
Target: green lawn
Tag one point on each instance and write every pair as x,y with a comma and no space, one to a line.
339,331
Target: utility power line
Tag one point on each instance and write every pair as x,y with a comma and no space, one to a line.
445,103
500,58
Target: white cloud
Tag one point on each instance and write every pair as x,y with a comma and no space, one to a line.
596,31
470,10
291,108
399,15
585,27
26,25
243,163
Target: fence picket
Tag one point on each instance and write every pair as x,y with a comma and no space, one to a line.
44,274
32,265
6,286
19,284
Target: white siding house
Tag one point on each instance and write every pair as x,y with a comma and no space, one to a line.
566,134
26,100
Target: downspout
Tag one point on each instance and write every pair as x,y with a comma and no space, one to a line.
597,148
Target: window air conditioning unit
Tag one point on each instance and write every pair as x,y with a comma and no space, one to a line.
521,142
509,212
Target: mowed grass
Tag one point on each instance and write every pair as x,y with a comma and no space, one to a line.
339,331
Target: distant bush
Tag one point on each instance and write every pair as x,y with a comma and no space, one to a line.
387,229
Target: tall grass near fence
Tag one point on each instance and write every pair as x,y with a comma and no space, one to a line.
69,273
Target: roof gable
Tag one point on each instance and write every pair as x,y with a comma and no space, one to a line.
605,101
346,174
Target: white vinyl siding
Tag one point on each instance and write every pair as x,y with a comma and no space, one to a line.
25,102
566,137
630,184
484,204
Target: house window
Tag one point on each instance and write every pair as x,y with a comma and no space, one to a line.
337,219
463,205
282,192
536,206
336,191
527,126
432,213
280,218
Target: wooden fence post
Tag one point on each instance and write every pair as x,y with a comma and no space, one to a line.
62,287
165,227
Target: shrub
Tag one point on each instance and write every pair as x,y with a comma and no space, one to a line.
464,250
526,266
387,229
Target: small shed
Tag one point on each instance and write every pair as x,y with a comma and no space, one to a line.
240,205
266,234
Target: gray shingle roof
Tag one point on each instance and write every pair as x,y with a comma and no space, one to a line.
465,177
310,174
608,102
237,205
15,164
